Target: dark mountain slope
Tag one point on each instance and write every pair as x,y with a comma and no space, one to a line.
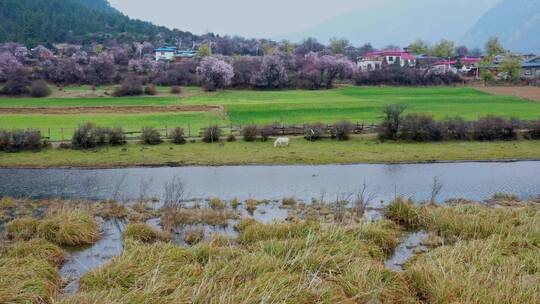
515,22
35,22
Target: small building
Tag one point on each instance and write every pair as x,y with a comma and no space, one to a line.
374,60
531,68
172,53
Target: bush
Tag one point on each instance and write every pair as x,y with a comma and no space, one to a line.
391,123
267,131
19,140
405,77
249,133
89,136
5,140
177,136
455,129
231,138
494,128
130,87
40,89
419,127
17,83
211,134
150,90
176,90
342,130
533,130
314,132
150,136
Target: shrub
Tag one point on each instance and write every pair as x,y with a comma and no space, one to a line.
342,130
176,90
150,90
130,87
455,129
39,89
17,83
211,134
314,132
177,136
391,123
150,136
231,138
89,136
5,140
250,132
268,131
19,140
494,128
419,127
533,130
84,136
116,136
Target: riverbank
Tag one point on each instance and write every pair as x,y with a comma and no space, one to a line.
357,150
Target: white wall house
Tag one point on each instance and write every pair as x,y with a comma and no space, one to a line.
165,53
374,60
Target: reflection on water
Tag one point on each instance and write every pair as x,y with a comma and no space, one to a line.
466,180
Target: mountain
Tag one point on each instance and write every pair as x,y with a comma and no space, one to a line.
401,22
35,22
515,22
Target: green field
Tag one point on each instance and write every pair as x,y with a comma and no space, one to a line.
357,150
358,104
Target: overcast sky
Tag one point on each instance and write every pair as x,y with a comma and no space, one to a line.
250,18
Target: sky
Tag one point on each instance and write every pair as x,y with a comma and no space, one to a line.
249,18
282,19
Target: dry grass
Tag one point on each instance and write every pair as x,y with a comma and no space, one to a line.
294,263
69,228
28,280
7,203
217,204
143,233
36,248
23,228
173,216
193,236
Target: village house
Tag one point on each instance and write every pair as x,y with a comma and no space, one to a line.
531,68
374,60
172,53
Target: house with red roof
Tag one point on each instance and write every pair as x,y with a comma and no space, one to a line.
374,60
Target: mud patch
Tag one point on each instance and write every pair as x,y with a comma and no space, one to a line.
216,109
531,93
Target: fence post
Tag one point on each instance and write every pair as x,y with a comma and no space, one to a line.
62,131
166,131
49,132
189,130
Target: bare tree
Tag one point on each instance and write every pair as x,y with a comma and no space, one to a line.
174,192
436,188
363,199
144,186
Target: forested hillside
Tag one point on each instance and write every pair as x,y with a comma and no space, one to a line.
77,21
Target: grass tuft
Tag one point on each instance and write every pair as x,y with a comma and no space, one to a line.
69,228
143,233
22,228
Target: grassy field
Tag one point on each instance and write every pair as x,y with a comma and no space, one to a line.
358,104
357,150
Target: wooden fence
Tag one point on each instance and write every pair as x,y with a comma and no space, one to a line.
65,134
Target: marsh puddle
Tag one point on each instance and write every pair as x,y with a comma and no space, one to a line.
81,261
406,250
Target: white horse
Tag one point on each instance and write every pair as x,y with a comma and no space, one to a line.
281,142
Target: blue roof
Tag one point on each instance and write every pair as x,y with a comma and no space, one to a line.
533,63
166,49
